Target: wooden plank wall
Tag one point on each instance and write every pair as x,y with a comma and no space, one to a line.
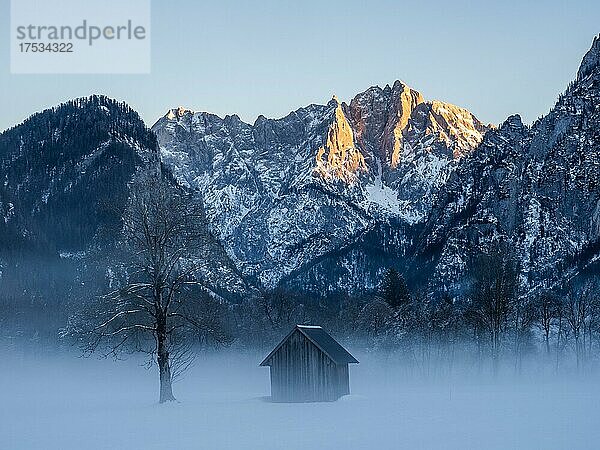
302,372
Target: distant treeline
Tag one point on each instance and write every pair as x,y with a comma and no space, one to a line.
494,321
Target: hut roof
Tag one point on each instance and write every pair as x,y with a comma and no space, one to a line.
322,340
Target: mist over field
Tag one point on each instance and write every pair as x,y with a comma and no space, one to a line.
67,402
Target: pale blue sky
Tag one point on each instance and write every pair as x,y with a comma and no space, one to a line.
270,57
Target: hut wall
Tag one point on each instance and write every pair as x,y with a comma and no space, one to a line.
302,372
343,380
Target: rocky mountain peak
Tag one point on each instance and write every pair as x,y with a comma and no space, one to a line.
380,115
407,100
339,158
176,113
513,123
384,156
591,60
457,127
387,122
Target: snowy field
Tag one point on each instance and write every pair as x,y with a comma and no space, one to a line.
102,404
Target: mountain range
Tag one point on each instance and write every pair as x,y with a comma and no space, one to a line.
329,196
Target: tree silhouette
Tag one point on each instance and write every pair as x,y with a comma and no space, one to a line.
394,289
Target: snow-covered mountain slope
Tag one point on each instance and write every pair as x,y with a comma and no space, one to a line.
536,187
285,193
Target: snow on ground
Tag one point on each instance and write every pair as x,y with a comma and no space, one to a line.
103,404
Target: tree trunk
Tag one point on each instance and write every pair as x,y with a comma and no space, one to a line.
577,349
495,352
164,367
558,343
590,339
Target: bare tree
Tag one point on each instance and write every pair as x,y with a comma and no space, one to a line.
494,291
579,308
155,309
547,306
376,317
281,308
593,321
525,316
560,330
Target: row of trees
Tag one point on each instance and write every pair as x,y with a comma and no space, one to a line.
494,319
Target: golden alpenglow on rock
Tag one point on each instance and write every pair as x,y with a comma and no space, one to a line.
339,159
456,125
177,113
407,102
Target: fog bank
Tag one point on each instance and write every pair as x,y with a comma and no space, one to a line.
72,403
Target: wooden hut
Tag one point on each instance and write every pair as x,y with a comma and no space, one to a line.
308,365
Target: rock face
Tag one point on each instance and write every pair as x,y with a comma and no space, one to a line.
339,158
537,187
284,195
380,117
